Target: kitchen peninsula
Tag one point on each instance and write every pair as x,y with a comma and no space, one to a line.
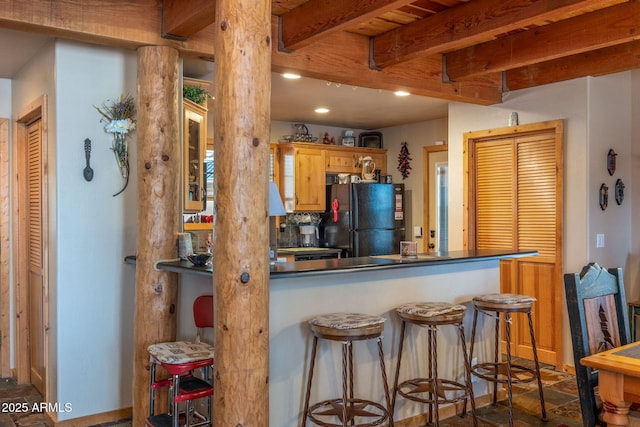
373,285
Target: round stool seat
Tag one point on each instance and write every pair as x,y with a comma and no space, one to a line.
503,302
431,312
349,326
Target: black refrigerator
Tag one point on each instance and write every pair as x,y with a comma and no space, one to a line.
364,219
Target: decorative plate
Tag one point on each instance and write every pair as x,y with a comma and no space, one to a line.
604,196
611,162
619,191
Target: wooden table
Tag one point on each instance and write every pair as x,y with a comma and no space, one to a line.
618,379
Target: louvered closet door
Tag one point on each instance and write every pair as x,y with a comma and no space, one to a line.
517,203
35,255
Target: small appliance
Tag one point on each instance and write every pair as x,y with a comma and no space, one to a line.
368,169
309,236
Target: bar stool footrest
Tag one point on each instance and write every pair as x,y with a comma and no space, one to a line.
497,373
356,408
414,389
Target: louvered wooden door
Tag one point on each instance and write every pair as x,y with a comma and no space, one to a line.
34,240
514,199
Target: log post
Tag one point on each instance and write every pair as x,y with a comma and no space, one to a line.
158,165
241,256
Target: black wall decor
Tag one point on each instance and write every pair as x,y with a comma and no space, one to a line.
619,191
611,162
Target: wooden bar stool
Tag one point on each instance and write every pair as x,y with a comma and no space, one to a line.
347,328
433,390
505,372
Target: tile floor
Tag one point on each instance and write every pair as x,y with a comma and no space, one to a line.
560,393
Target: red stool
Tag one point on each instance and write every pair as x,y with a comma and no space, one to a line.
181,359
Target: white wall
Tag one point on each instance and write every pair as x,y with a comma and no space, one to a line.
90,231
5,98
95,293
609,127
417,136
596,113
632,272
5,113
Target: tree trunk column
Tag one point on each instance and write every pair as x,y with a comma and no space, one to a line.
158,211
241,256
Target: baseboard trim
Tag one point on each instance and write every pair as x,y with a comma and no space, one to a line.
89,420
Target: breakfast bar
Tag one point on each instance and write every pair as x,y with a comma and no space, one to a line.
371,285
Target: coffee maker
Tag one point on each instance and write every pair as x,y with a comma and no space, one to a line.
308,235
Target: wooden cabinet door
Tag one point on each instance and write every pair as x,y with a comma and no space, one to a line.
342,162
381,162
195,141
302,178
310,185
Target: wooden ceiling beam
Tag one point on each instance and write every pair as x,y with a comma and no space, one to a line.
344,57
606,27
184,18
468,24
314,19
107,22
614,59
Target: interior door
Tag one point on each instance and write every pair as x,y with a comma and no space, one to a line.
436,198
34,241
514,199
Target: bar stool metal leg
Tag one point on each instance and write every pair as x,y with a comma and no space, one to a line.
433,351
467,371
395,382
308,394
507,332
347,358
496,360
535,359
385,384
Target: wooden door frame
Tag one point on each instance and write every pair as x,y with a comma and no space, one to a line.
33,111
468,224
5,288
426,151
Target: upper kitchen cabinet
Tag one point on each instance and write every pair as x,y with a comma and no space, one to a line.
194,143
342,159
302,178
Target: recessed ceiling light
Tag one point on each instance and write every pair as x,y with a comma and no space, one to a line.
290,76
401,93
321,110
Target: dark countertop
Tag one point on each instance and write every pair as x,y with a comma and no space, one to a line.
345,265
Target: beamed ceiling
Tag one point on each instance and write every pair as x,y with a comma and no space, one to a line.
468,51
